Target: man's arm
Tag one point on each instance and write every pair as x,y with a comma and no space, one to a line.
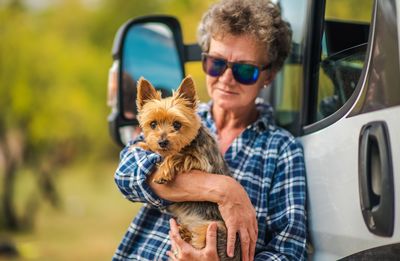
131,175
193,186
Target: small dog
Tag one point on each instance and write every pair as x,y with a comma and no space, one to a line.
172,128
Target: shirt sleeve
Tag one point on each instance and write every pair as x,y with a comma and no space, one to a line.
286,221
134,167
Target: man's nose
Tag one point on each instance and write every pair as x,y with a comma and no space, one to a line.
227,77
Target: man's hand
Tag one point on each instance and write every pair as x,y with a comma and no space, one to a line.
180,250
234,204
240,217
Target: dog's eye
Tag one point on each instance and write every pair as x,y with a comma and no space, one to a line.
177,125
153,124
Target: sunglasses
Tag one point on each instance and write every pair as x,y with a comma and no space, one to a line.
243,73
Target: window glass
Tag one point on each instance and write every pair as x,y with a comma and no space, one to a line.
148,51
382,90
344,46
287,90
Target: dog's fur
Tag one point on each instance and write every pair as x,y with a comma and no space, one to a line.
172,128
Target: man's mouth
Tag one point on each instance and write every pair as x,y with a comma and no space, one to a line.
227,91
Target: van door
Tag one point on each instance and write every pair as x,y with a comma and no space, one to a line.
343,101
338,93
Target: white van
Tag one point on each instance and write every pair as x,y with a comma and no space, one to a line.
339,93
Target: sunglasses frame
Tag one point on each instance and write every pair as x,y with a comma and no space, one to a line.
230,65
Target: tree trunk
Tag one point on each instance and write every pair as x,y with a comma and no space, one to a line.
11,150
8,212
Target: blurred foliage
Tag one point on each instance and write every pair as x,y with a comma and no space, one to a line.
189,13
54,63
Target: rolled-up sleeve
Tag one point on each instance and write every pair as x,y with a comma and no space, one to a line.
131,175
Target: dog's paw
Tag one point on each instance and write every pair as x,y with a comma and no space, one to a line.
162,179
142,145
162,176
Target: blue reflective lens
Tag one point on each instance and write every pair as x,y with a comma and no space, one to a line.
245,73
242,72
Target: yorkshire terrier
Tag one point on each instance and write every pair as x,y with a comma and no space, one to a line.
172,128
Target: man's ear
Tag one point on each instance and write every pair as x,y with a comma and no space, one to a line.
270,77
187,90
145,93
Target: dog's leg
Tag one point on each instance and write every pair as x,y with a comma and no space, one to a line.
166,171
142,145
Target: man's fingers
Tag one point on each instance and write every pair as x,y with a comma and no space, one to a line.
177,241
253,238
171,255
230,246
211,241
245,244
174,233
252,249
173,225
173,243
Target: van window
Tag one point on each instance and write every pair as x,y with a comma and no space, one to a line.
344,46
287,90
344,42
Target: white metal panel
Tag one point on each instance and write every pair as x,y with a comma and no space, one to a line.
336,223
398,21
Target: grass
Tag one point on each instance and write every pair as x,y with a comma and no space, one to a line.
90,224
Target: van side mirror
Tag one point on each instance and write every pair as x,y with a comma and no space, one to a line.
151,47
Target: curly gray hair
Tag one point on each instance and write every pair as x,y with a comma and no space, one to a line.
259,18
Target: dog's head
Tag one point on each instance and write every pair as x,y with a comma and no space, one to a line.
168,124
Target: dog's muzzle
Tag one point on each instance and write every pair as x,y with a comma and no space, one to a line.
163,144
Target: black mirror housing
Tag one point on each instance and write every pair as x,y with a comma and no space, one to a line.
152,47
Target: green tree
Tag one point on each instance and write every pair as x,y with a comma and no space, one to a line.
53,74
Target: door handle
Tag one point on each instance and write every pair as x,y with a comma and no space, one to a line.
375,177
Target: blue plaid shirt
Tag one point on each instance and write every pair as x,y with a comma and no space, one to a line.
268,163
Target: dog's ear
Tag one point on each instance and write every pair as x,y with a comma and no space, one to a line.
187,90
145,93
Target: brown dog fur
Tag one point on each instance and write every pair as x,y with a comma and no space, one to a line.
172,128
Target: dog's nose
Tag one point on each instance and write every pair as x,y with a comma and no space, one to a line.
163,143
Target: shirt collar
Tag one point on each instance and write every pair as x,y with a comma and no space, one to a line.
265,119
266,116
